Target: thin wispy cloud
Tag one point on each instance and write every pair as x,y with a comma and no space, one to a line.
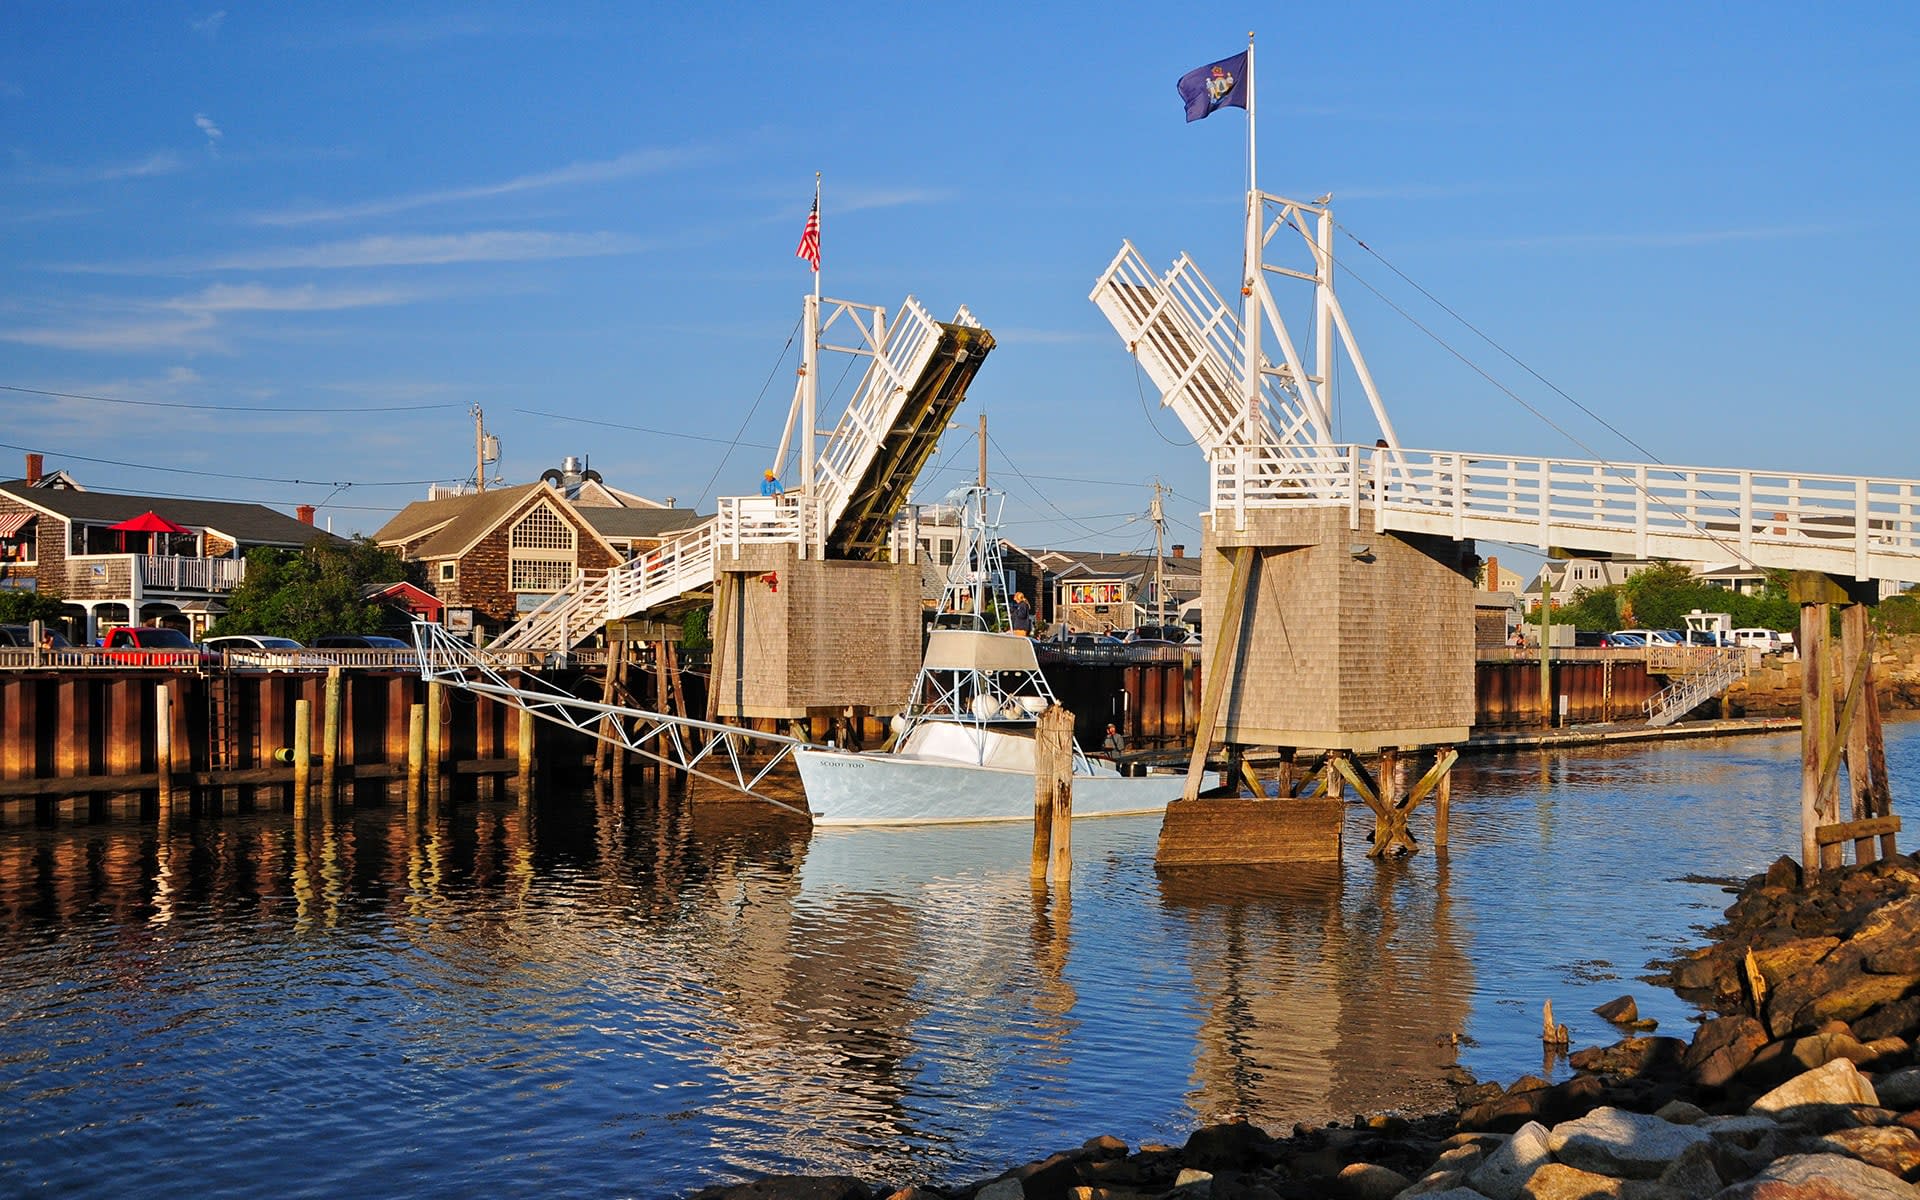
244,298
389,251
859,200
192,331
210,129
625,166
209,26
160,162
1673,239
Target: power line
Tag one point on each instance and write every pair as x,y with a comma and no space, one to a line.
692,437
246,408
114,462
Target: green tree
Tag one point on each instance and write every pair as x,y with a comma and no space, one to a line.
303,594
693,629
21,605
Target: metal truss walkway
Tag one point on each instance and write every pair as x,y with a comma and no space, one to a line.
739,760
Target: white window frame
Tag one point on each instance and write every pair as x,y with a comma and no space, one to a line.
535,564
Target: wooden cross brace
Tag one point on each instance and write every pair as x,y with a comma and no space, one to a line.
1390,811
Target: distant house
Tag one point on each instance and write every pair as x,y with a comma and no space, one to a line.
58,537
493,556
1092,591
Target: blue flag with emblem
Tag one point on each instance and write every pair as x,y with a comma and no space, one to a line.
1215,86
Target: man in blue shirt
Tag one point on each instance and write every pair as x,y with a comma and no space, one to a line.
770,486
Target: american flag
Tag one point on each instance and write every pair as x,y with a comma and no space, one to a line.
810,237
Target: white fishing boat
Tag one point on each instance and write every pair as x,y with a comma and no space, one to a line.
963,748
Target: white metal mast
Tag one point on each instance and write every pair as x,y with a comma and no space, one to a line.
1250,284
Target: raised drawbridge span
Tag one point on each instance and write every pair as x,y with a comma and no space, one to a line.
1320,636
849,500
1267,444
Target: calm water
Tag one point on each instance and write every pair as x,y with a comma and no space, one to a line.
609,1000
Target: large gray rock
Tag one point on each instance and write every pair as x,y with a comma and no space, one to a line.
1612,1141
1694,1173
1899,1089
1505,1171
1820,1177
1839,1082
1747,1131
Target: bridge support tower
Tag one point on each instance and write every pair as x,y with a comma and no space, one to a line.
1334,638
793,636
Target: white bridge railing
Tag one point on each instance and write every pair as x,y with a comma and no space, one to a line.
1867,528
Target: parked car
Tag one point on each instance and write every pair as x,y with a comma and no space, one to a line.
1175,634
22,636
387,651
264,653
360,641
1760,639
152,646
1627,638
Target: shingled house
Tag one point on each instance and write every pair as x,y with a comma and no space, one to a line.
58,537
497,554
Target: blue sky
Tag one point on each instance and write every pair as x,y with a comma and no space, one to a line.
338,227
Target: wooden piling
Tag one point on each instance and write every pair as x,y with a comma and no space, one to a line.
416,753
302,756
1443,799
163,744
1053,795
436,741
524,747
330,739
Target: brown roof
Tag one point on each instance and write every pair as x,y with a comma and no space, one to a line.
640,522
453,525
247,524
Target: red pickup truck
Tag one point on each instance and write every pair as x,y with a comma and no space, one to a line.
147,646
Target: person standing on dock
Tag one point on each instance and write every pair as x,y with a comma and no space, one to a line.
770,484
1022,615
1116,742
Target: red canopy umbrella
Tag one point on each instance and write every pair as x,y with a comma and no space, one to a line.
149,523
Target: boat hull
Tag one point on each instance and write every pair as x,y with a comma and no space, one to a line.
846,787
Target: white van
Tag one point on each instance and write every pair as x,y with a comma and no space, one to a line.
1764,640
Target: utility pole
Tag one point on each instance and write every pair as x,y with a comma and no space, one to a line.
983,448
479,450
1156,513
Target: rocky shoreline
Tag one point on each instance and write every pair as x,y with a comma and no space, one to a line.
1804,1085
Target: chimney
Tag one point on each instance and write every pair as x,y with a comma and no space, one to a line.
305,513
1493,574
1179,551
35,465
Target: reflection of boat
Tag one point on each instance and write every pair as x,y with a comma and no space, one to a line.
964,746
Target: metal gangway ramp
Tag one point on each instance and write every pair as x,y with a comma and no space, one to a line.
728,756
917,374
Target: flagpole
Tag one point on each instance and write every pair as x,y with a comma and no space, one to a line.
1250,317
810,393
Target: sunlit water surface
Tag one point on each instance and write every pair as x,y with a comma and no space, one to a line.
604,999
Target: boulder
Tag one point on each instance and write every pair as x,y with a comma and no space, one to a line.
1440,1183
1452,1193
1622,1011
1612,1141
1899,1089
1722,1048
1746,1131
1002,1189
1505,1170
1631,1056
1893,1148
1819,1049
1901,1018
1819,1177
1681,1112
1889,939
1369,1181
1783,872
1105,1146
1779,963
1558,1181
1695,1173
1839,1082
1238,1146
